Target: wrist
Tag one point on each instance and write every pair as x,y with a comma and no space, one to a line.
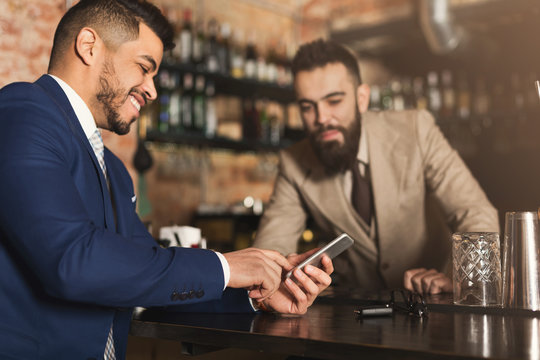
262,306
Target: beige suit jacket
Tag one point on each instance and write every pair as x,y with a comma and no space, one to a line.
411,164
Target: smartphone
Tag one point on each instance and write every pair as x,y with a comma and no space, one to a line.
332,249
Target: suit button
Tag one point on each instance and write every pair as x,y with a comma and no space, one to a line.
199,294
183,295
385,266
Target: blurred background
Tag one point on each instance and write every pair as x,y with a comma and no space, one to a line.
205,153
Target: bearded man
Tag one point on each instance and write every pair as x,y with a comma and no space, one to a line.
373,176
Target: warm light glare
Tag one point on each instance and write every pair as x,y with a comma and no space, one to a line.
307,235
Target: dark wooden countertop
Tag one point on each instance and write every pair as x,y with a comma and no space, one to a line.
331,330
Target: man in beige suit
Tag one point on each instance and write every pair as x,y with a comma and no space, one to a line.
403,161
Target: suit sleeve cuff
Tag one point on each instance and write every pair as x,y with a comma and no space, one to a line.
226,269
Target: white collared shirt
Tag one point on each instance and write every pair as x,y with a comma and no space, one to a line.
88,123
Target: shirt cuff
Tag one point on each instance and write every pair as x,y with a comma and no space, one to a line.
226,269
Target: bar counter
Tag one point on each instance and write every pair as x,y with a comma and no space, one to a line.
331,330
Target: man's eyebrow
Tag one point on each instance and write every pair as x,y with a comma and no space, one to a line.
332,94
150,60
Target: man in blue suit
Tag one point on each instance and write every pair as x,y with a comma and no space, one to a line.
74,257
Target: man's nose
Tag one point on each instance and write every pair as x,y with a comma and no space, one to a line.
323,114
149,89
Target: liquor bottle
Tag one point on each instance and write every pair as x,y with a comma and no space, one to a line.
375,98
448,96
421,102
210,112
211,49
387,98
172,56
397,93
271,64
408,94
199,104
187,102
198,46
262,70
481,104
250,64
186,38
434,94
276,126
175,105
264,121
164,101
282,64
463,98
250,120
237,55
223,51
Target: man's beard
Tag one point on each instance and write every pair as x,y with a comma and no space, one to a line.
337,158
111,99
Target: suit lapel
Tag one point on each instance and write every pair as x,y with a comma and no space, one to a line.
388,165
56,93
328,195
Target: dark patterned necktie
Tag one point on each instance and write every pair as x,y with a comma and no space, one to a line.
361,193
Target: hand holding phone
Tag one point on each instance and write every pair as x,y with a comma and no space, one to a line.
332,249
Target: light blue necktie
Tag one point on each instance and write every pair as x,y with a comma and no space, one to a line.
99,149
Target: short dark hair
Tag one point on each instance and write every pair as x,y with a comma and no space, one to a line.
321,52
116,21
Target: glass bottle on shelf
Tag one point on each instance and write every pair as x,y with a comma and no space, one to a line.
199,104
187,102
175,106
448,96
264,121
481,103
210,111
199,43
375,98
223,51
172,56
186,38
282,64
164,101
387,97
271,64
212,64
237,55
408,94
434,94
250,65
250,120
398,99
421,102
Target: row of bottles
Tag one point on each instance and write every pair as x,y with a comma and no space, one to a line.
449,97
187,104
219,49
501,114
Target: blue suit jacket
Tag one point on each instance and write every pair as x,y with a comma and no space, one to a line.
67,270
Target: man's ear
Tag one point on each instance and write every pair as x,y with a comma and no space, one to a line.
87,45
362,97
